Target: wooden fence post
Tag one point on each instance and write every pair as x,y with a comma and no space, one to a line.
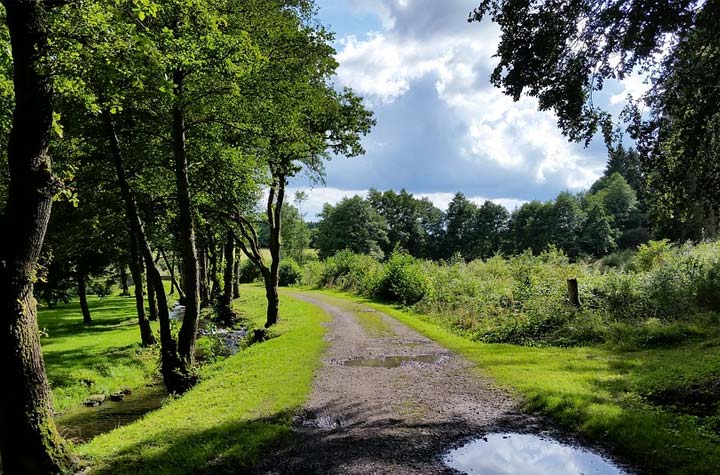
573,293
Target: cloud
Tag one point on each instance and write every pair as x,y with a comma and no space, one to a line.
442,127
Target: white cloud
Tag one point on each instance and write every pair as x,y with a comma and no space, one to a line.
428,40
634,86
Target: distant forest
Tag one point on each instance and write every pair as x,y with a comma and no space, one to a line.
615,214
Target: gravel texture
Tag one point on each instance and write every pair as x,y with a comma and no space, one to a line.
387,420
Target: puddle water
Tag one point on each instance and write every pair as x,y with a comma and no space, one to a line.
394,361
83,423
525,454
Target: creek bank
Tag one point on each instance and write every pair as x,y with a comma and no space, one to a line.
83,423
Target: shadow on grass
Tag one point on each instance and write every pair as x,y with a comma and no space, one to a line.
229,448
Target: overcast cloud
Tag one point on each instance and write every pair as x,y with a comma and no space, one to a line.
442,128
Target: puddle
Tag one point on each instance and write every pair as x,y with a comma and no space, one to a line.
394,361
83,423
525,454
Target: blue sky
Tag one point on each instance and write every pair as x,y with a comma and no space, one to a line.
441,127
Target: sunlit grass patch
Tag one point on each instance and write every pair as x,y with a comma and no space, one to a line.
243,405
99,358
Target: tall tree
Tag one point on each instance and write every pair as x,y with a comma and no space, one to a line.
29,441
351,224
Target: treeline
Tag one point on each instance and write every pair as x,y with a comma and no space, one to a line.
608,217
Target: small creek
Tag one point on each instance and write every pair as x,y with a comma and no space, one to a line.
526,454
83,423
394,361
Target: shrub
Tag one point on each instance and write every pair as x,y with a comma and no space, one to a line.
290,273
651,254
403,280
249,272
708,288
101,287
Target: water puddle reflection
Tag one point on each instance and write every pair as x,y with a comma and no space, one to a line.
394,361
526,454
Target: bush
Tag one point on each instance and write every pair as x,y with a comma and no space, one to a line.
654,298
403,280
249,272
290,273
101,287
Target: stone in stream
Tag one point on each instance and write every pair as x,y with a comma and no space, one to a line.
117,397
95,400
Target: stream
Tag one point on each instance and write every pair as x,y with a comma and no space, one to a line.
82,423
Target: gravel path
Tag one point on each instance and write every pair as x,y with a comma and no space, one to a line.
386,420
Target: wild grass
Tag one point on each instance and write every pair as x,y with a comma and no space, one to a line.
242,407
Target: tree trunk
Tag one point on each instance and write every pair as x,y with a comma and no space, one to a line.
152,301
82,293
236,277
146,335
171,268
274,211
215,293
176,379
124,281
188,331
227,315
29,441
203,280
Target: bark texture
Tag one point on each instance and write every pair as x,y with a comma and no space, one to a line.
29,441
226,313
152,300
82,294
188,331
146,335
250,246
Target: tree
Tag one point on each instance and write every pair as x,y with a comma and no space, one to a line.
408,220
491,227
678,139
303,120
531,228
459,227
352,224
566,219
29,441
562,53
597,236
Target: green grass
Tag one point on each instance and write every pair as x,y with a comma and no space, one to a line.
99,358
600,393
242,406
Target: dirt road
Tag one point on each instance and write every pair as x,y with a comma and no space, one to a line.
387,400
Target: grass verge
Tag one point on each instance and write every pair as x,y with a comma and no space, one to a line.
601,394
242,406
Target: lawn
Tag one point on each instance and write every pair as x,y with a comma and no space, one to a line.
99,358
242,406
609,396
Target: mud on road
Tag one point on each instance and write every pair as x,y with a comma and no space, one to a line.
387,400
